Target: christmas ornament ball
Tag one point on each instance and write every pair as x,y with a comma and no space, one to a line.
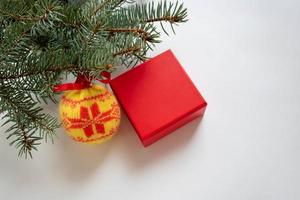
90,115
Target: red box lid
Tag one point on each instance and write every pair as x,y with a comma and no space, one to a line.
158,97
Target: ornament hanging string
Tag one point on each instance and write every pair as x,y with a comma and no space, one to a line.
81,83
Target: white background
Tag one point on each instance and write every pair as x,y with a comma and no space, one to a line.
244,57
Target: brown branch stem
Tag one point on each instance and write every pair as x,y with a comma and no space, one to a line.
171,19
140,32
128,50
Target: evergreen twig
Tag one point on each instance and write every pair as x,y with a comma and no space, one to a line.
42,40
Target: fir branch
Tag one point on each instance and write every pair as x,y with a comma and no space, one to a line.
49,8
40,40
111,4
15,44
101,6
56,69
24,141
172,13
22,18
27,121
29,115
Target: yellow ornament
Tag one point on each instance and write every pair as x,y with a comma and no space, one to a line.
90,115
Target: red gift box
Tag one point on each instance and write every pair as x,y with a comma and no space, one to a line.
158,97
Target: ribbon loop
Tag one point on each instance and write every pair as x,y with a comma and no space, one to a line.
81,83
106,75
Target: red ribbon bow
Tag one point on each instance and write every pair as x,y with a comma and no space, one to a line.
81,83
